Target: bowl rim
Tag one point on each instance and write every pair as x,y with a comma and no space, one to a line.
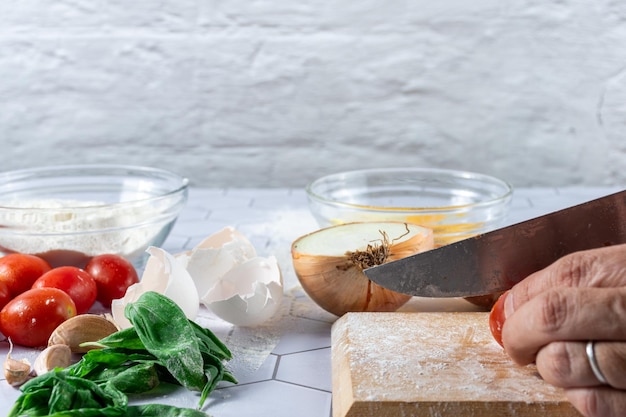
21,174
452,173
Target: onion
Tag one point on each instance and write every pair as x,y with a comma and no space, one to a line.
329,263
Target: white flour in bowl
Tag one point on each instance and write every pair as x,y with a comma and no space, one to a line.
52,228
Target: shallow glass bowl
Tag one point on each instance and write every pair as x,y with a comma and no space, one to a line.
455,204
67,214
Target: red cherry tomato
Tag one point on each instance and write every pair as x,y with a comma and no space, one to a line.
496,319
5,294
113,275
31,317
19,271
77,283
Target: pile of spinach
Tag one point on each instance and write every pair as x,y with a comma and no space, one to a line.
161,346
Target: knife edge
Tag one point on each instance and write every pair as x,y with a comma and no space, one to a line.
495,261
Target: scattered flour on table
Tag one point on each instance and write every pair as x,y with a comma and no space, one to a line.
250,346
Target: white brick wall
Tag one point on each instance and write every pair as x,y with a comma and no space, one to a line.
276,93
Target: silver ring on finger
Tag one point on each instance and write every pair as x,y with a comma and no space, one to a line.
593,362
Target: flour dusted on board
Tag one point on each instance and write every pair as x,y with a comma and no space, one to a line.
41,226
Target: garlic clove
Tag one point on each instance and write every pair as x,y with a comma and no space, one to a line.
248,294
164,274
54,356
16,371
81,329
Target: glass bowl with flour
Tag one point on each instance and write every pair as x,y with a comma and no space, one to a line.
67,214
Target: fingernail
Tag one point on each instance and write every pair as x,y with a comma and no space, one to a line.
509,308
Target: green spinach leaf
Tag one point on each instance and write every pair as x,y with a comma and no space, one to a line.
167,334
163,345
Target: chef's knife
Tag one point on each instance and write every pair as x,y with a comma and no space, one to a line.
497,260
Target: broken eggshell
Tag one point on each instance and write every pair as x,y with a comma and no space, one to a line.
248,294
232,281
165,275
215,256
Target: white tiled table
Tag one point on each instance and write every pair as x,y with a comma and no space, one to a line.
294,378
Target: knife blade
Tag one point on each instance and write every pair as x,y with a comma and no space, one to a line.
495,261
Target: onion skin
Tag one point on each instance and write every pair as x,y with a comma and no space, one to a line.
339,287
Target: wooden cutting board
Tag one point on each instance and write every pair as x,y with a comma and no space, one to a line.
435,365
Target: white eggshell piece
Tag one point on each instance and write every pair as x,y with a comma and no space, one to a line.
210,260
225,236
165,275
248,294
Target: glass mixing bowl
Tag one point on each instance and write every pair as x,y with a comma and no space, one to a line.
455,204
67,214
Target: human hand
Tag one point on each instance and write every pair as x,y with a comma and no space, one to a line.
552,315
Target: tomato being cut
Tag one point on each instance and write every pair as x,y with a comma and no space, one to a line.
496,319
113,275
31,317
77,283
19,271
